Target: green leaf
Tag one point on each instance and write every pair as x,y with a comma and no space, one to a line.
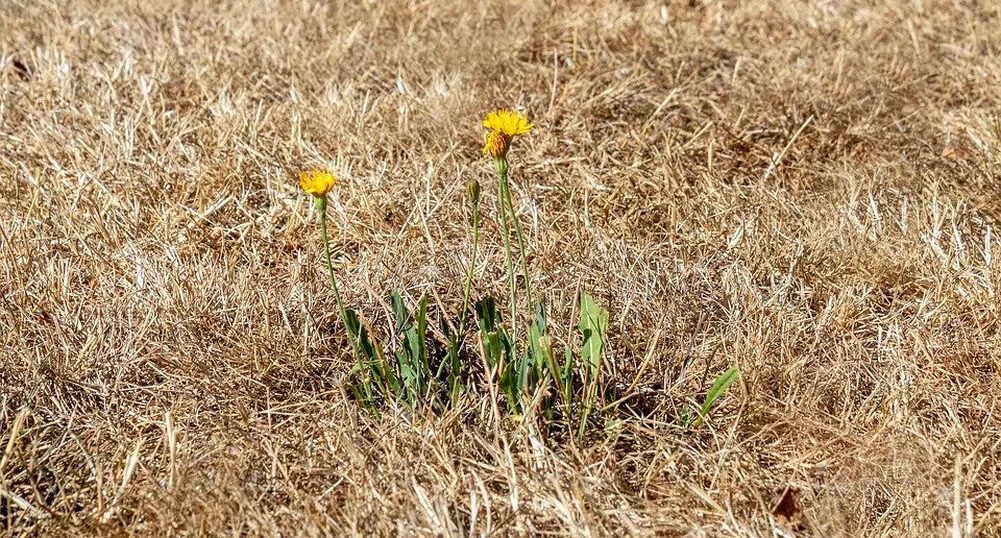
540,314
495,340
593,327
686,416
524,369
568,373
419,336
494,347
399,310
509,385
719,387
538,355
411,357
369,351
486,315
422,331
549,361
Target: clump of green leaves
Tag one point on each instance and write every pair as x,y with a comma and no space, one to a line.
407,376
530,375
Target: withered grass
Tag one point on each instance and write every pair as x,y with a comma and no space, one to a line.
808,191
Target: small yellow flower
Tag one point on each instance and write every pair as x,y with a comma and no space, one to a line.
504,125
317,182
507,122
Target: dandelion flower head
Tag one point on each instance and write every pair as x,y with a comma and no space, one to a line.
504,125
317,182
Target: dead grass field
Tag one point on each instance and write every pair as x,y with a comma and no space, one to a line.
172,348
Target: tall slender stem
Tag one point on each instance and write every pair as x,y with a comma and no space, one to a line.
456,366
472,266
501,166
354,339
506,189
321,206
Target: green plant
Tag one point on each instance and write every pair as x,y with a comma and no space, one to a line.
412,355
371,374
454,338
716,391
525,367
593,327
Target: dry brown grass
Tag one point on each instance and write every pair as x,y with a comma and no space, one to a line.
171,347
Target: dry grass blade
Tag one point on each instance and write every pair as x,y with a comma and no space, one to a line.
12,435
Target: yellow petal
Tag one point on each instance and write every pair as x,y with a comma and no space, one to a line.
508,122
317,182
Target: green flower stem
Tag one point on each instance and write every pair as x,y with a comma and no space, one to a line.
472,266
456,366
506,192
501,166
321,206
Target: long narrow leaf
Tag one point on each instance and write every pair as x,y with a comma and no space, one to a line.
369,350
722,383
593,327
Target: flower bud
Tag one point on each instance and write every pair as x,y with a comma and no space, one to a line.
473,191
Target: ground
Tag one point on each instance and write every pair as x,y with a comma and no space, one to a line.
807,191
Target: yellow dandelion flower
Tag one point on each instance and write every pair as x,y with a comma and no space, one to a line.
317,182
508,122
504,125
